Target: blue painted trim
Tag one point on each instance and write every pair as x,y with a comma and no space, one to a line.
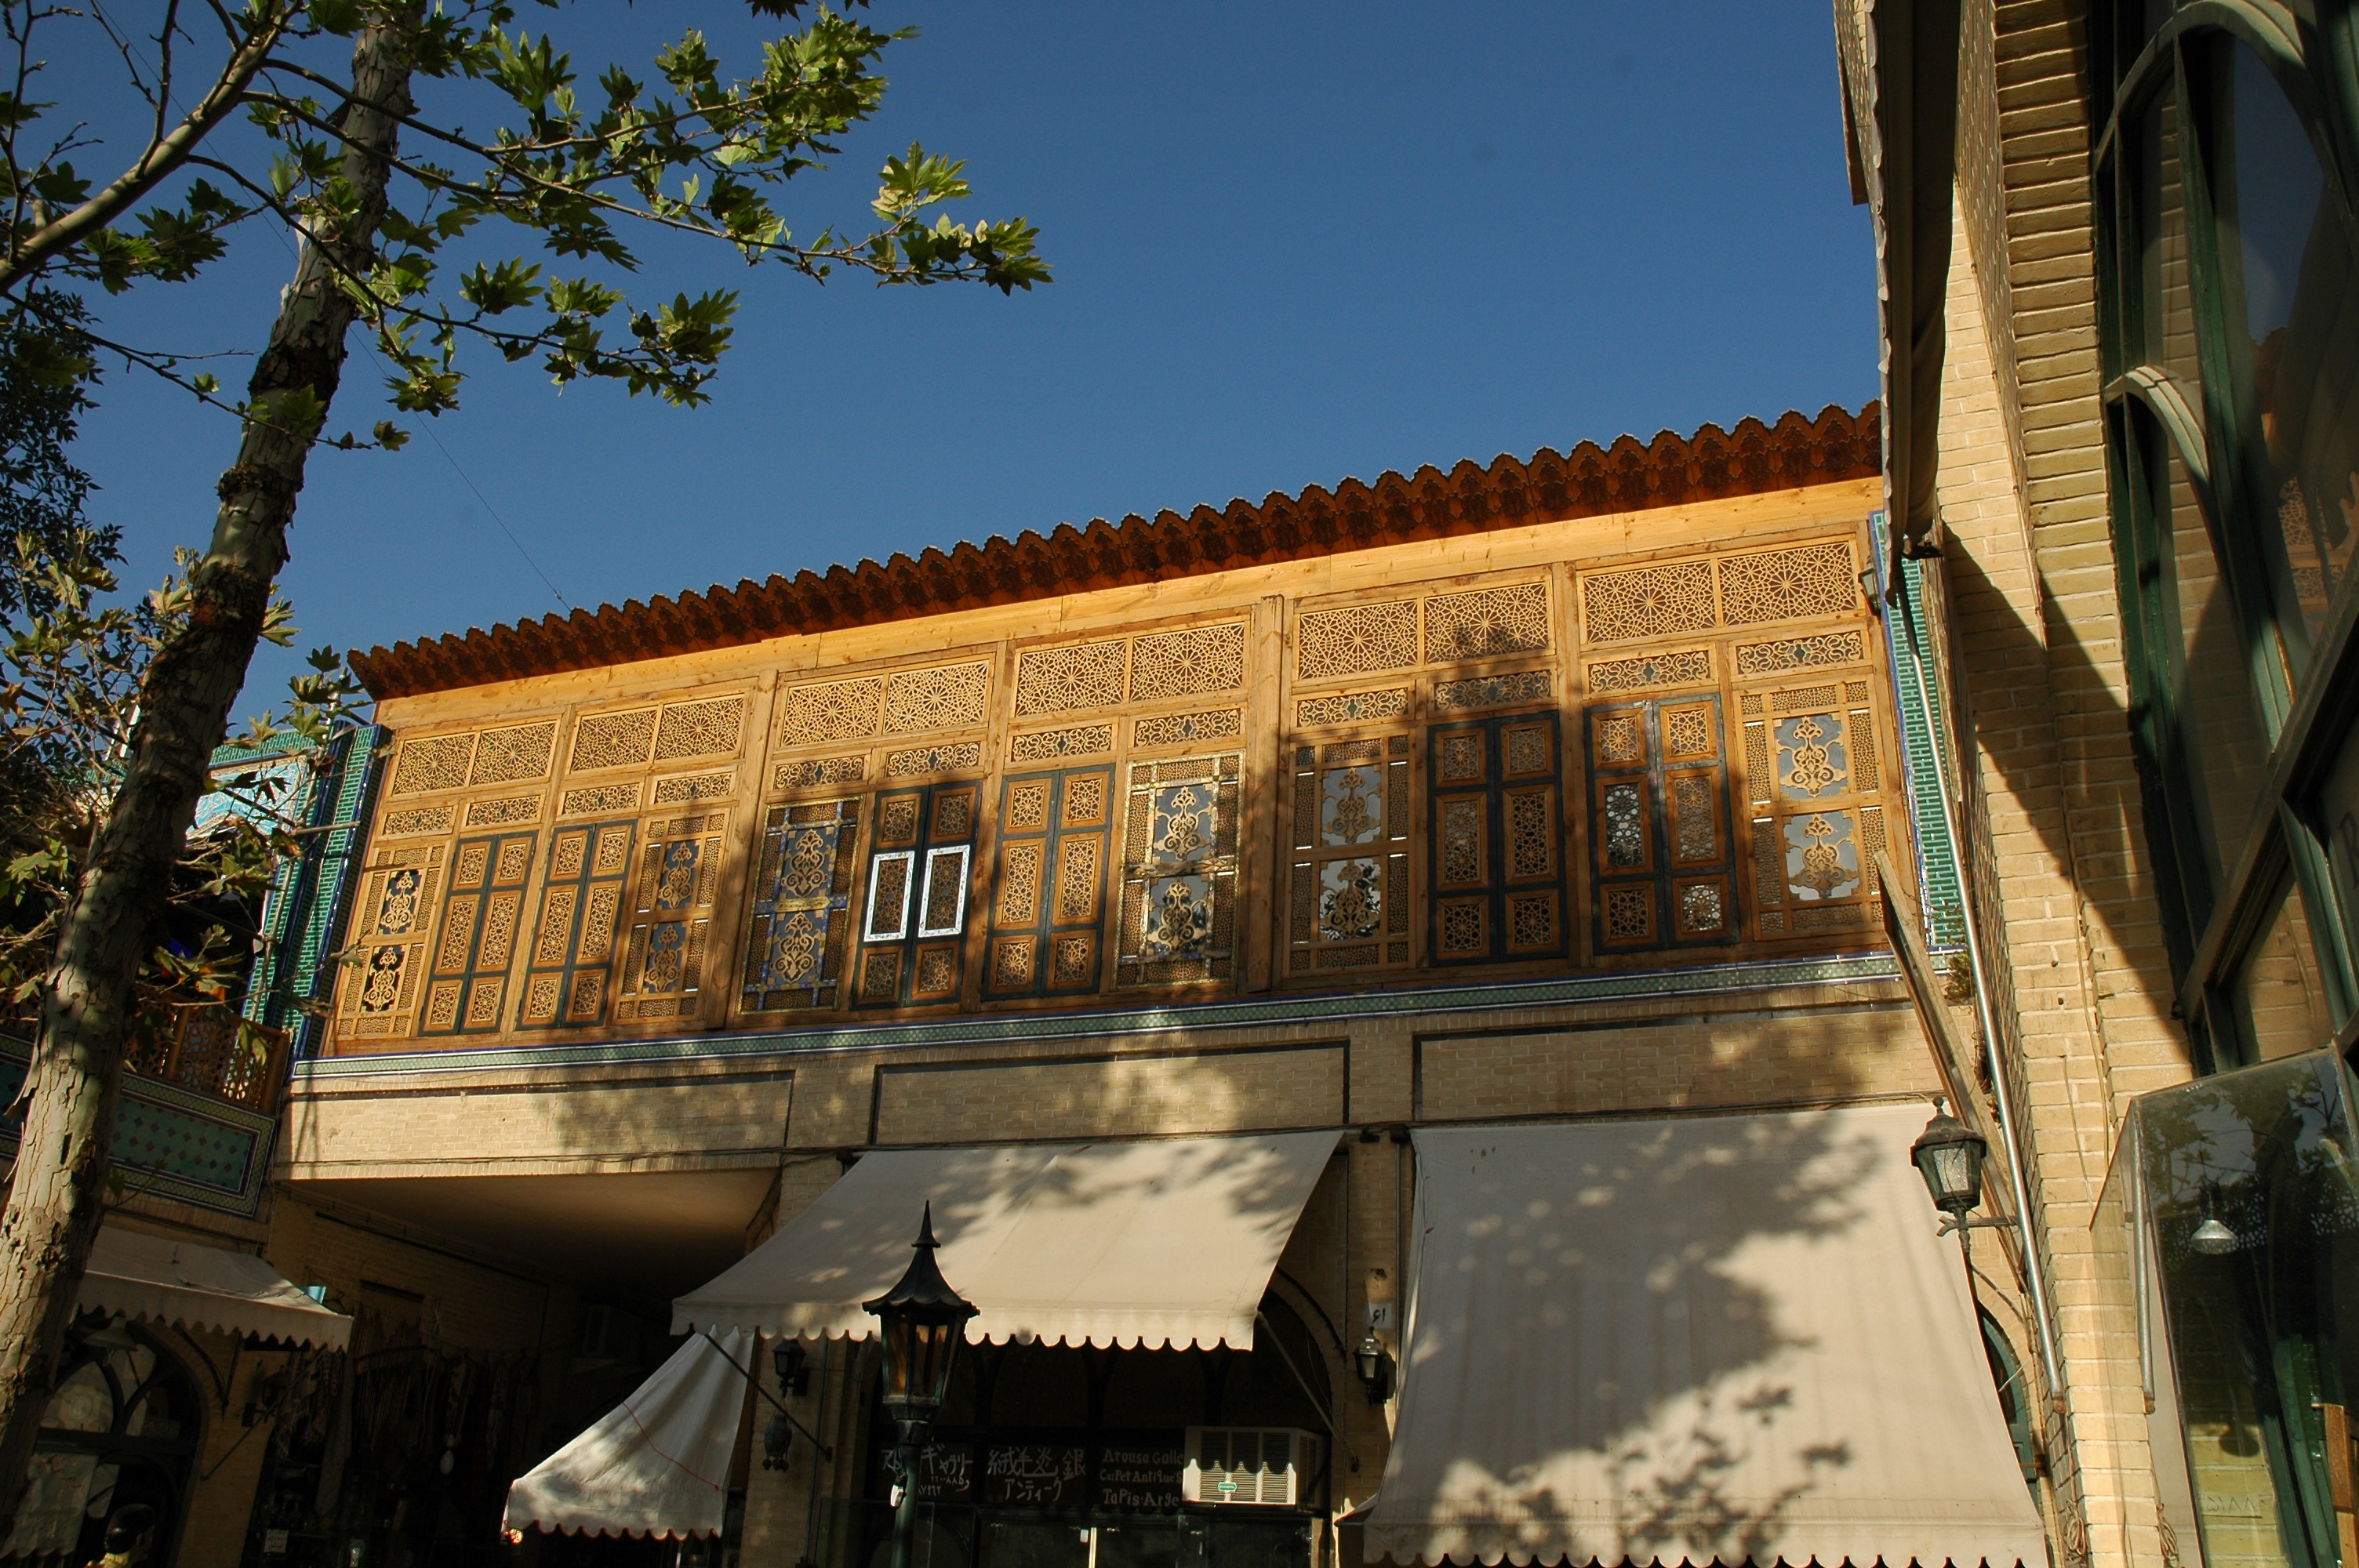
1717,979
1939,890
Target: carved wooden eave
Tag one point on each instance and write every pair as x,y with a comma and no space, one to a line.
1592,480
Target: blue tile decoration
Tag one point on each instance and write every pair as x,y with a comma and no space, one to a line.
306,906
1709,981
171,1143
1937,857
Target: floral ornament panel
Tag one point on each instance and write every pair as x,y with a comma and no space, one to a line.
1350,899
663,973
802,895
378,987
1823,856
1179,857
1352,807
1812,759
1495,837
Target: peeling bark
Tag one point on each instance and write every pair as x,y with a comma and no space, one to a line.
57,1197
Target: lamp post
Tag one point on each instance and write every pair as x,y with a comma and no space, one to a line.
923,1321
1949,1155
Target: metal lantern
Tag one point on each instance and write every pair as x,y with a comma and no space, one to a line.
792,1362
924,1320
1949,1154
1375,1369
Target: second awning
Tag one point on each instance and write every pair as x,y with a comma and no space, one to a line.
1713,1339
163,1279
1163,1241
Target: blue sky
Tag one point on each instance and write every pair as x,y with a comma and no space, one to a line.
1293,243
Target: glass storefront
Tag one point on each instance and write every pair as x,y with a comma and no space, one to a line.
2240,1193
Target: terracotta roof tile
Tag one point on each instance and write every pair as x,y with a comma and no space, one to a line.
1627,476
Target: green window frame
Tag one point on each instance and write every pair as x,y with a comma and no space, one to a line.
2227,196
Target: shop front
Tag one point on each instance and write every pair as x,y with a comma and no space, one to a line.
1136,1390
2231,1219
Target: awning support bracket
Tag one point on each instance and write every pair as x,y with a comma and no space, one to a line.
754,1383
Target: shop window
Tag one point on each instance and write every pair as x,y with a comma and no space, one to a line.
1348,898
1664,856
483,905
1180,873
802,900
671,918
581,905
913,925
1813,773
1048,900
1496,848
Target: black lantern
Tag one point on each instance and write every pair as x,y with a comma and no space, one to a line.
1949,1154
1375,1369
778,1443
924,1320
792,1362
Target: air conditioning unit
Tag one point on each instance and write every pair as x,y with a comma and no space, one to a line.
1265,1465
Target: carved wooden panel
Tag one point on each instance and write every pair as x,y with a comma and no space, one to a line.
1189,729
482,908
802,922
913,920
1356,639
671,918
1482,693
1048,745
566,981
1818,819
1678,666
1487,624
612,740
710,728
1495,840
1788,585
434,763
832,710
952,698
1348,896
1066,679
820,772
1351,707
599,800
1650,601
415,822
377,991
1048,896
1188,663
517,752
1662,846
1178,917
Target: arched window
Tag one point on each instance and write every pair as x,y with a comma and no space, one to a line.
2228,271
121,1429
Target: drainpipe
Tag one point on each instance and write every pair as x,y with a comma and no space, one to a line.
2000,1089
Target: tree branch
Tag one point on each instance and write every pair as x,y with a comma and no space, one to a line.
157,162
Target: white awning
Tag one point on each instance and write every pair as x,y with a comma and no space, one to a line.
657,1465
166,1280
1167,1241
1713,1338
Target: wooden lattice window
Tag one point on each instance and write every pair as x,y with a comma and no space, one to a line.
1496,864
671,918
1348,899
802,907
913,922
573,941
1664,856
1818,821
1048,897
483,905
378,994
1180,873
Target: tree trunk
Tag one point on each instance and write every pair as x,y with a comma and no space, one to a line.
57,1198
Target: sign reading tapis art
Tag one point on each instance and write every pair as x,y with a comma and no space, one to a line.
1142,1474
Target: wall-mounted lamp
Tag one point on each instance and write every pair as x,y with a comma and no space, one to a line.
1375,1369
792,1362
